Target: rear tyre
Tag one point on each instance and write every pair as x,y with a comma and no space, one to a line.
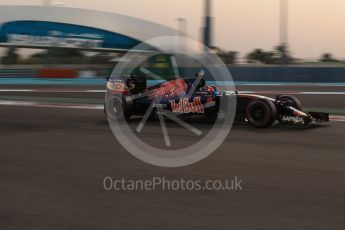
291,101
119,109
261,113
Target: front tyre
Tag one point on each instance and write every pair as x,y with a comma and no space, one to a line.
291,101
261,113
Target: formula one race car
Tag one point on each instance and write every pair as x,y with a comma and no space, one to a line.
129,95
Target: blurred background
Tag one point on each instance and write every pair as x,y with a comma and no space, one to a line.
259,40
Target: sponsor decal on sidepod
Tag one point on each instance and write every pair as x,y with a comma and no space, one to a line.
184,106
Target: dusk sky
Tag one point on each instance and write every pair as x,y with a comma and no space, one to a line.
315,26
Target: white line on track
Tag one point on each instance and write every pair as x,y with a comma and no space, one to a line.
323,93
103,91
53,90
89,106
51,105
16,90
289,92
337,118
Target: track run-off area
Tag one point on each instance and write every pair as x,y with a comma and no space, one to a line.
57,147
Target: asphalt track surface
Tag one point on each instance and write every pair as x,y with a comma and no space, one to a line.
53,162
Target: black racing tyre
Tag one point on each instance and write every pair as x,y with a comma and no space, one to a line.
119,108
291,101
261,113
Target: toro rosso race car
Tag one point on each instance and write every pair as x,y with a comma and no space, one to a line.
129,95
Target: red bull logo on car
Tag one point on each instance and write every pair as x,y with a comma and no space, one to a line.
185,106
